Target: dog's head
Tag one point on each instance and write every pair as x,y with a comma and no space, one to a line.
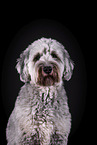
45,62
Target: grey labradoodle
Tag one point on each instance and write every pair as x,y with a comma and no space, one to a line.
41,114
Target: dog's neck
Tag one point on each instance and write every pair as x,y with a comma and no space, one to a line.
49,90
46,94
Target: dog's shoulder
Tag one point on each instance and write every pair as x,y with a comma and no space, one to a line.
26,89
25,94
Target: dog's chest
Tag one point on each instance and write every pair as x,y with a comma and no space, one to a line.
46,105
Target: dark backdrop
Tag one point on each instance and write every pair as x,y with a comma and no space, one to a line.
75,88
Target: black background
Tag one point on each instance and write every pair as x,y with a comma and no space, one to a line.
77,23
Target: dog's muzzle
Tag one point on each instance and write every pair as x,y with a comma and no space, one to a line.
48,75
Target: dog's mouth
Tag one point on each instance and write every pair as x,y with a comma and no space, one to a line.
48,81
48,75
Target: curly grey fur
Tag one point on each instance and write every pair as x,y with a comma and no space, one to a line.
39,116
41,113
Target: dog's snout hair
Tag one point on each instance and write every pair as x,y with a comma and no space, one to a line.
41,114
48,76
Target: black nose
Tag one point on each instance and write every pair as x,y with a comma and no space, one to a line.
47,69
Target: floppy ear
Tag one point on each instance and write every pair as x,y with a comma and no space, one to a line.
68,67
22,66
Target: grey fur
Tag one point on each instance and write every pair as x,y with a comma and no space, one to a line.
41,114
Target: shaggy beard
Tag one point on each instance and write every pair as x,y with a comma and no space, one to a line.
48,80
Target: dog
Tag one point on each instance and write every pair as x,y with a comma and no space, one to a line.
41,114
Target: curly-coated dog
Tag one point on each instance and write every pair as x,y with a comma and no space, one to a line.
41,114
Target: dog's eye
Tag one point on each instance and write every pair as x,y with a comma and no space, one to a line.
54,55
36,57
